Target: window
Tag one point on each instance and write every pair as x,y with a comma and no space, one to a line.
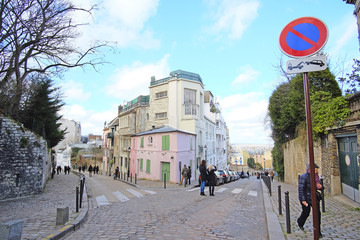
142,142
141,164
190,102
121,161
148,165
166,142
161,115
147,116
150,140
161,94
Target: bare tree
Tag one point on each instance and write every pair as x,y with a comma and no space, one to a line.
36,37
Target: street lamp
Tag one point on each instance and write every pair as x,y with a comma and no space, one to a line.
129,149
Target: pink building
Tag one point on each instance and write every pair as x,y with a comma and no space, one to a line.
161,151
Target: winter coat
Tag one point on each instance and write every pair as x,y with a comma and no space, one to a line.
203,172
305,188
212,176
184,172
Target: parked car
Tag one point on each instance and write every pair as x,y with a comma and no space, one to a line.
231,176
225,175
219,178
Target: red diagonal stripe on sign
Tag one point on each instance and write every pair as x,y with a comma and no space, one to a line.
303,37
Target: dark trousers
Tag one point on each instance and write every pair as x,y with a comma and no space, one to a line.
211,188
305,214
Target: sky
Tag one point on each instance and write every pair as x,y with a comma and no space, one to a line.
232,44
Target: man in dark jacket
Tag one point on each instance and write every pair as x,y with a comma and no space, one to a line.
305,197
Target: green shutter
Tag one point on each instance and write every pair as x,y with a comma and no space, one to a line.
165,142
141,163
142,142
148,165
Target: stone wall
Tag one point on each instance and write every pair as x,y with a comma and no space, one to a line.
296,157
25,161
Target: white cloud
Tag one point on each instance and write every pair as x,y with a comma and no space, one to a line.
245,116
131,81
233,17
91,121
74,91
344,32
119,21
247,75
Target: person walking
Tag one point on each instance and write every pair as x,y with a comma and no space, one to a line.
203,177
306,202
97,169
184,175
90,170
116,173
211,179
272,175
189,174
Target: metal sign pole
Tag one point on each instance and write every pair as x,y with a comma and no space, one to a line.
311,157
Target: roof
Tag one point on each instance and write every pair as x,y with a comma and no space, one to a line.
162,129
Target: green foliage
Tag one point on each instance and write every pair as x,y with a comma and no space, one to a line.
258,166
287,109
327,111
24,141
251,162
40,114
353,79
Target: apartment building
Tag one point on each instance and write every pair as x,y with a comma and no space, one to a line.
180,102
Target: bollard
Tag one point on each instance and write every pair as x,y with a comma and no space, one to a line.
164,180
279,198
269,185
81,191
127,177
287,210
322,195
135,178
131,177
11,229
77,199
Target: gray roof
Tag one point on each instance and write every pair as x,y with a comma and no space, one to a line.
162,129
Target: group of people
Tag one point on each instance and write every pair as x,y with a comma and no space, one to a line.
92,169
58,170
207,174
186,175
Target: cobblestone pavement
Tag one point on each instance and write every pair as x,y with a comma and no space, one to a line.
236,212
39,211
339,221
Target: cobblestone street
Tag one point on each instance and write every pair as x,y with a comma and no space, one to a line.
235,212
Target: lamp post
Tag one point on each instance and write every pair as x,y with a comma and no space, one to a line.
129,149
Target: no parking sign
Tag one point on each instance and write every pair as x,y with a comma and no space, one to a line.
303,37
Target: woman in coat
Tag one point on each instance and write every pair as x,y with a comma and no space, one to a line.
203,176
211,179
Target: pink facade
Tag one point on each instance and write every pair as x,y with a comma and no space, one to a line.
160,151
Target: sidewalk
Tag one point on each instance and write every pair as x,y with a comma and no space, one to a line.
339,221
39,211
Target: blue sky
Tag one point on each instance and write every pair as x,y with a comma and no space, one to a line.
232,44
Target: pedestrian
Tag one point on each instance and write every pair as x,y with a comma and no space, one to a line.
65,169
94,170
83,168
53,172
305,197
272,175
184,175
116,173
90,169
97,169
79,168
203,177
58,170
211,179
68,169
189,175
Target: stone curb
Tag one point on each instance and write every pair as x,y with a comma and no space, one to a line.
273,225
76,223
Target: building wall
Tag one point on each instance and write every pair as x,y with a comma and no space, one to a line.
73,133
25,162
180,151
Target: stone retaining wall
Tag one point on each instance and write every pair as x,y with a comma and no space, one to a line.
25,161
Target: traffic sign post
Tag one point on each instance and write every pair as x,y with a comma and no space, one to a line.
301,38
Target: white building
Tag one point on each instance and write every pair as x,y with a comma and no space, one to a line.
72,135
63,157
